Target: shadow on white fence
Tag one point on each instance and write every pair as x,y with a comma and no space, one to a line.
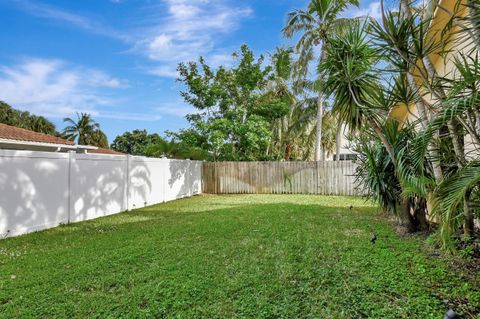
40,190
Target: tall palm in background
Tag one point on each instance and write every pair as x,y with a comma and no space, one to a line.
294,133
314,24
279,92
82,130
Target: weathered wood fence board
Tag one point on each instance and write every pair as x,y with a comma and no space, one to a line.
322,178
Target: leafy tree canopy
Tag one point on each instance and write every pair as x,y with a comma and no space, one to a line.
235,108
11,116
135,142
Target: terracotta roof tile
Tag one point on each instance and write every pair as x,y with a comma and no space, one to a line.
20,134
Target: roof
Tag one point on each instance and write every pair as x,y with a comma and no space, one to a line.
105,151
9,132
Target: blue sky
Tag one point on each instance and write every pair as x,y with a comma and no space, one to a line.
116,59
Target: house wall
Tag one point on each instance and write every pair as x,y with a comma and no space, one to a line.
345,145
40,190
457,42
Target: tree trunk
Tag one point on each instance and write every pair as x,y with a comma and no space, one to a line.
458,145
384,140
338,141
477,116
320,109
288,152
469,224
457,136
419,103
424,119
434,158
420,213
318,138
405,12
406,218
457,140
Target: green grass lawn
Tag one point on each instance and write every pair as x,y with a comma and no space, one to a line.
275,256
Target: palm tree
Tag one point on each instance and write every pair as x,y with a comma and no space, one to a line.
403,35
80,130
98,138
349,70
359,99
315,23
279,91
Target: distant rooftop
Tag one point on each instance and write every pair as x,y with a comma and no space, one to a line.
9,132
12,137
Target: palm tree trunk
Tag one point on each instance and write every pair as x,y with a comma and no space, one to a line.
318,137
384,140
469,225
405,9
338,140
458,147
419,213
406,218
419,103
424,118
320,109
288,152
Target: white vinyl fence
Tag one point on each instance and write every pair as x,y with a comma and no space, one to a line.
40,190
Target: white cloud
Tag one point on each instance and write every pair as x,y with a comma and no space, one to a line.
190,29
373,10
176,109
168,31
168,71
50,12
57,89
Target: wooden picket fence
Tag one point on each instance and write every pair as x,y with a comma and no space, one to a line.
322,178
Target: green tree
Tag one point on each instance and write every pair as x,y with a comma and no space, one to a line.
13,117
315,24
403,165
135,142
84,131
98,138
360,101
233,118
277,104
176,150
